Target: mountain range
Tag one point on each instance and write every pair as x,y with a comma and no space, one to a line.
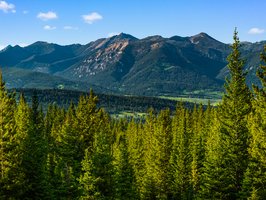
124,64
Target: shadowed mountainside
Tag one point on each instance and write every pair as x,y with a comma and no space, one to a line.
124,64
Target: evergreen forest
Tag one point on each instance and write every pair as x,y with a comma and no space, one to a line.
80,152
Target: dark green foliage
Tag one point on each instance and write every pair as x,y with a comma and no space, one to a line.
34,164
157,142
232,135
97,180
9,160
81,153
135,139
212,164
114,104
126,65
261,73
197,147
125,180
22,119
180,160
254,182
235,108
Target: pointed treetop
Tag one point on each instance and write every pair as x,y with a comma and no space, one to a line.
2,84
262,73
235,63
22,98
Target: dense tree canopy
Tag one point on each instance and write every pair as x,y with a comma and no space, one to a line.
82,153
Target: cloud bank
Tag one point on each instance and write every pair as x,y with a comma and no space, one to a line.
7,7
47,16
256,31
49,28
92,17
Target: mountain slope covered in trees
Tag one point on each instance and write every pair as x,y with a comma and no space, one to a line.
124,64
113,104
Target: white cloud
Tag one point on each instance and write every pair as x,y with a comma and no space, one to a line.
25,12
92,17
47,16
2,47
7,7
70,28
256,31
112,34
49,28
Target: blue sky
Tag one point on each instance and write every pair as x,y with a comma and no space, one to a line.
81,21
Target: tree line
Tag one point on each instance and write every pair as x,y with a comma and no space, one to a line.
82,153
111,103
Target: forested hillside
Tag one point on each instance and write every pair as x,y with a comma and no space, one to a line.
113,104
123,64
82,153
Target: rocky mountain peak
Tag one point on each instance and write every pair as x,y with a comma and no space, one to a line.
124,36
196,39
153,65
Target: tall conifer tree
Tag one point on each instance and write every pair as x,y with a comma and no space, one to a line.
97,180
22,119
148,189
8,144
197,148
211,179
135,141
162,152
125,181
67,157
35,156
255,177
234,134
180,159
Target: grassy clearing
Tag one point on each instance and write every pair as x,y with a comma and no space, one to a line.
126,114
198,96
204,101
208,94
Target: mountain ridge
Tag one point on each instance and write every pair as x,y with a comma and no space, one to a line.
152,65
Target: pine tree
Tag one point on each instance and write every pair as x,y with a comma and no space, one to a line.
8,144
234,134
135,141
148,189
97,180
35,156
22,119
211,179
86,120
71,139
180,159
158,143
255,176
53,124
197,148
125,181
68,158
